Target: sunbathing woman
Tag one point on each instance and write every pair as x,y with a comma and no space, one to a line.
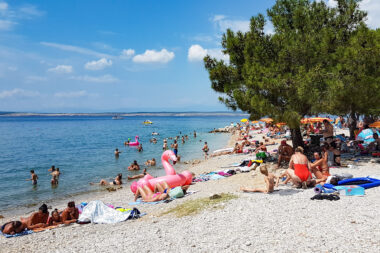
116,181
37,219
55,218
160,192
13,227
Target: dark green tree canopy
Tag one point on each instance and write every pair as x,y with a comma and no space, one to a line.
295,71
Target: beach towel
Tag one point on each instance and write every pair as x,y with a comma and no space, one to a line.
26,232
97,212
45,228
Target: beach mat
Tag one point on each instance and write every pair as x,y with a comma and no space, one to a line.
26,232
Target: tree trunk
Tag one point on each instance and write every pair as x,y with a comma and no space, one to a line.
296,137
352,125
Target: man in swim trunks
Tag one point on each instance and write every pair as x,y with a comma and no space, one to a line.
70,214
33,178
328,132
285,152
299,169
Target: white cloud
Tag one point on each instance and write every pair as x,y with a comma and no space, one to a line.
223,24
62,69
71,94
96,79
3,6
197,53
153,56
18,93
31,79
29,11
127,53
98,65
75,49
373,9
6,25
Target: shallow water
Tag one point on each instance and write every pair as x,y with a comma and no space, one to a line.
82,147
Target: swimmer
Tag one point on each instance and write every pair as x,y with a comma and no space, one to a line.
151,162
165,146
116,181
140,148
33,178
55,176
117,153
134,166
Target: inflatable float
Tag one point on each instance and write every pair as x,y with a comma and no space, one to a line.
365,182
172,178
135,143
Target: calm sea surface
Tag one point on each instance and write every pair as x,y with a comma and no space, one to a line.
82,147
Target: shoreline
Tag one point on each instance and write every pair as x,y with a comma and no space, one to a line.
27,209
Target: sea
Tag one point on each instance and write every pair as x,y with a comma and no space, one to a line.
82,147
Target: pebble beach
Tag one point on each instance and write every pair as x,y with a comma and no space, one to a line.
284,221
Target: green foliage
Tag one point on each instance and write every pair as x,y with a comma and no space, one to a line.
319,59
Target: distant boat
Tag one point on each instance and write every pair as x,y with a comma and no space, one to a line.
147,122
117,117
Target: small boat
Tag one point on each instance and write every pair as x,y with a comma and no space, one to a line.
117,117
147,122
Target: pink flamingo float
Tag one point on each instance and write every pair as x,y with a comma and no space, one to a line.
135,143
172,178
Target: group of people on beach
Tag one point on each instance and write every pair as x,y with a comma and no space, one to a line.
41,219
54,172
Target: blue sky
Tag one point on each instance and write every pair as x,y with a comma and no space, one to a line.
97,56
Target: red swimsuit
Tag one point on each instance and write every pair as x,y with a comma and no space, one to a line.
302,171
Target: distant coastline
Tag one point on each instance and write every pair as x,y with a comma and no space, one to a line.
126,114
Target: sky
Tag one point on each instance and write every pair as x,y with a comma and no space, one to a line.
118,56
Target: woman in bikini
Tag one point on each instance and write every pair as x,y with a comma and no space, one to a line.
299,169
160,192
320,167
116,181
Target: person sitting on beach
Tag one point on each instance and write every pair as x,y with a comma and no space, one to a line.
134,166
138,176
320,168
333,158
261,148
205,150
237,149
117,153
269,182
37,219
13,227
55,218
70,214
33,178
299,170
151,162
285,152
116,181
375,145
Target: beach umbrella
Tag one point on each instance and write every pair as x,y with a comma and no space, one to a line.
267,120
243,120
317,119
255,122
281,124
305,121
375,125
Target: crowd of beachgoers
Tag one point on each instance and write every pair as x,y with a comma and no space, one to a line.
327,158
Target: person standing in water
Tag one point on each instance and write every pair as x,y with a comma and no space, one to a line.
175,150
33,178
205,150
195,134
54,179
165,146
117,153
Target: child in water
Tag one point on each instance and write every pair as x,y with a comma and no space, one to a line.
269,182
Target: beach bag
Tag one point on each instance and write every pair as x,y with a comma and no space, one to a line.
177,192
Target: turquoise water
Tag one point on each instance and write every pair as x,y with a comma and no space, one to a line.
82,147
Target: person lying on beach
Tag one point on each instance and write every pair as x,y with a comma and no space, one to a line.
285,152
269,182
149,196
33,178
138,176
320,168
13,227
261,148
117,153
268,141
237,149
116,181
70,214
55,218
37,219
134,166
151,162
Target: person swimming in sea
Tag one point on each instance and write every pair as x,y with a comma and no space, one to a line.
33,178
117,153
117,181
